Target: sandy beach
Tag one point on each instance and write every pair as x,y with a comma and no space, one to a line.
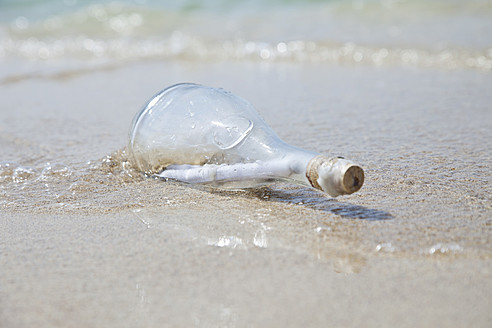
402,88
88,242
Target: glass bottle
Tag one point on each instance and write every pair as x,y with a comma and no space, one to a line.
199,134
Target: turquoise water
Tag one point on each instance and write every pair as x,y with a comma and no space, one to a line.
438,34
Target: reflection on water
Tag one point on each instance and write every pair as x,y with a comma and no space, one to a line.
246,232
385,247
259,240
197,216
226,241
142,306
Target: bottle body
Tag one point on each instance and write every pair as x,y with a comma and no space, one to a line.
189,124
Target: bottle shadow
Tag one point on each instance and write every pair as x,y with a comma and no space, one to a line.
313,199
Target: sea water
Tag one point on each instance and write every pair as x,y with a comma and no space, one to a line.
443,34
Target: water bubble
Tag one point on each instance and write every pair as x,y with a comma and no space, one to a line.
282,47
7,171
293,46
80,187
445,248
55,171
265,53
117,24
21,23
385,247
24,173
322,228
44,52
98,12
358,56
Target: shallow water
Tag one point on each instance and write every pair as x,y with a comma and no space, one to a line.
413,152
88,241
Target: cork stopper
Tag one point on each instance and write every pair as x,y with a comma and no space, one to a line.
335,176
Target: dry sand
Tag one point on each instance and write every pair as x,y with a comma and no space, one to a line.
87,242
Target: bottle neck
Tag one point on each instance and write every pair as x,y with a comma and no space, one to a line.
298,160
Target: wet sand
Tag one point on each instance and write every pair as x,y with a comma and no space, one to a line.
87,241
